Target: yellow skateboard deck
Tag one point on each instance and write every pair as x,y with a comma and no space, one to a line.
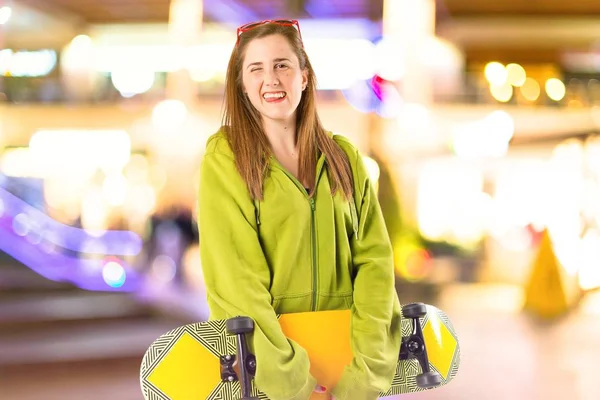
186,363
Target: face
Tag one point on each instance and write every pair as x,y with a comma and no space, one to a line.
272,78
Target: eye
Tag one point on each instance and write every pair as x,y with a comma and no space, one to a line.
255,69
280,66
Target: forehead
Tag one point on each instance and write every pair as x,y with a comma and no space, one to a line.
268,48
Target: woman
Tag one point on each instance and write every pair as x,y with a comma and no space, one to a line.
289,221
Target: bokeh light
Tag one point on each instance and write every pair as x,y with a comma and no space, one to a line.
515,74
495,73
530,89
114,274
502,93
5,13
555,89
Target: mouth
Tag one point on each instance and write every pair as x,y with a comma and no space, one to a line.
272,97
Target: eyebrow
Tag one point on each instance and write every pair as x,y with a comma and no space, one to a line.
274,60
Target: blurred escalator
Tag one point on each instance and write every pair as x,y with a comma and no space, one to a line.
58,341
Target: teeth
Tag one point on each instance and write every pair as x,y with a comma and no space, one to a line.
274,95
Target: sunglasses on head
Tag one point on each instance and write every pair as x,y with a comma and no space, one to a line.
282,22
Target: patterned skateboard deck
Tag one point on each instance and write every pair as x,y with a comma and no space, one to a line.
184,364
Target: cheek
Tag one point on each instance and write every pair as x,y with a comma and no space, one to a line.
252,86
245,84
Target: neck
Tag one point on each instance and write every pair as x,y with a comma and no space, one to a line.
281,135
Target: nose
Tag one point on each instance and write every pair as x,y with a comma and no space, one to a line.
271,78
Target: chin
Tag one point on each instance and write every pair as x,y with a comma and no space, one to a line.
278,116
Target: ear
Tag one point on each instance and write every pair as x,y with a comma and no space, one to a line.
304,78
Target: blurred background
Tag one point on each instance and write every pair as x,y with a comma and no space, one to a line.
477,119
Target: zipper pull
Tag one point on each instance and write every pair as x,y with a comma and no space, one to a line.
312,203
257,211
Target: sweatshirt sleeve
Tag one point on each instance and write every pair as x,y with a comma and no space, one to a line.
237,278
376,312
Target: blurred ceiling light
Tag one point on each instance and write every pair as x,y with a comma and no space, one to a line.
202,75
141,200
502,93
137,169
495,73
592,154
73,150
153,57
502,123
17,162
569,152
5,60
489,137
27,63
441,53
206,60
414,118
5,13
169,114
530,89
589,273
450,204
515,74
130,82
77,67
555,89
114,189
357,54
389,59
81,41
94,213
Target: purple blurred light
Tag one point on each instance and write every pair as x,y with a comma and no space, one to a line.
84,273
229,11
320,8
69,237
341,28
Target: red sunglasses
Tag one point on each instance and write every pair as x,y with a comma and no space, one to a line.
282,22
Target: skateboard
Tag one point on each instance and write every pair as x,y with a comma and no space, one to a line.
211,360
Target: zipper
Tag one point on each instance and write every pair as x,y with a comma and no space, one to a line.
314,254
313,223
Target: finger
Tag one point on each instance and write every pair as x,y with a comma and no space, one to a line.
320,389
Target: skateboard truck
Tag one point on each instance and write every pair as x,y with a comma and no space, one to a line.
227,373
413,346
239,326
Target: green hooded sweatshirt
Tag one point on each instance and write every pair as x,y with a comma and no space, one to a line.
291,253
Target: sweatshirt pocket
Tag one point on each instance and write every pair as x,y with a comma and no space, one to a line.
336,301
288,304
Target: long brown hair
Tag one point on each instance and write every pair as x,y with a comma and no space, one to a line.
243,128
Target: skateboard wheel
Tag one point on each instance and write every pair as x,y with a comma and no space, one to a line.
414,310
239,325
428,380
